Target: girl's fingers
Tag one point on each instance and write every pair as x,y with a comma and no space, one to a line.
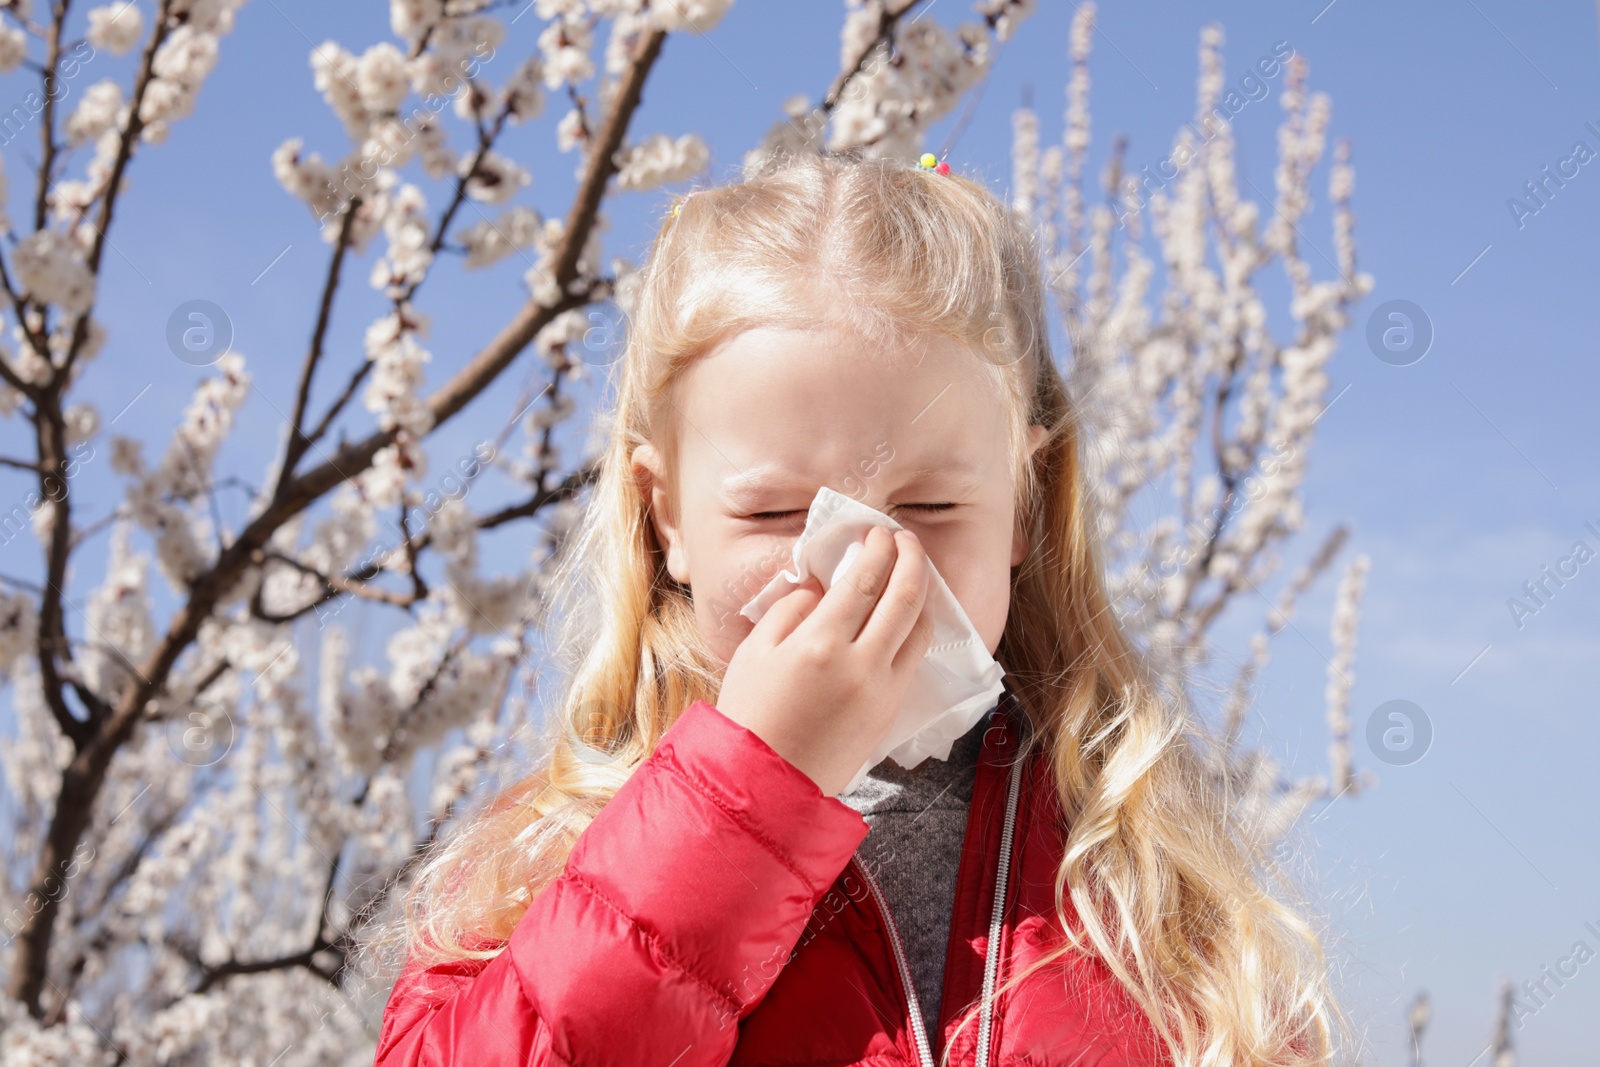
899,608
849,602
789,611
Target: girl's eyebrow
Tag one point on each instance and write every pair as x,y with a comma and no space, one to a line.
740,489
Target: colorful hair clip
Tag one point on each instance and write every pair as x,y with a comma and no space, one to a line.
677,205
929,161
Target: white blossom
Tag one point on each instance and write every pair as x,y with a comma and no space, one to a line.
385,480
51,268
629,22
307,178
495,179
571,131
565,45
19,628
127,456
1346,617
540,277
700,16
465,42
116,27
183,61
337,74
391,344
1006,14
408,228
523,95
13,48
82,422
660,160
381,78
412,18
337,541
182,549
119,614
208,16
164,100
487,242
98,111
28,1044
438,685
481,605
186,56
435,77
888,105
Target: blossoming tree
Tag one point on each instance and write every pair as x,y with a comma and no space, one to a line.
196,832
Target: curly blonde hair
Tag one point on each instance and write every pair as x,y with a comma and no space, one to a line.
1159,879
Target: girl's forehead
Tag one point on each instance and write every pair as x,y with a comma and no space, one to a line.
756,468
764,367
807,405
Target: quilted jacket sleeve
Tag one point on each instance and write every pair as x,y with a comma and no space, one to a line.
677,908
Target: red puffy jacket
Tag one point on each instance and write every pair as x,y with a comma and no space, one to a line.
714,913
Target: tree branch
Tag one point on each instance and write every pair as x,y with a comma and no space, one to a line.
84,776
210,976
130,136
356,379
50,432
298,442
887,20
47,124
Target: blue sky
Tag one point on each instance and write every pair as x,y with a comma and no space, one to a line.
1462,474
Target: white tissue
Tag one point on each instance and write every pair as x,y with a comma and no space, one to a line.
957,681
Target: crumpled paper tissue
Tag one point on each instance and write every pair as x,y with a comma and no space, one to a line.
957,681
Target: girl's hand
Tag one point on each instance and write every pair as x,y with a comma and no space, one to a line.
821,676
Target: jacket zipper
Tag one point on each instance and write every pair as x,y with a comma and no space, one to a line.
991,957
924,1052
991,961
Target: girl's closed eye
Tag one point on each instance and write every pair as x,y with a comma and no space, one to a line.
928,508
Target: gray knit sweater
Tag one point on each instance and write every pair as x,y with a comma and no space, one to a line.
917,820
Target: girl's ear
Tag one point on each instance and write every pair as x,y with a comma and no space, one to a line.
1037,436
649,471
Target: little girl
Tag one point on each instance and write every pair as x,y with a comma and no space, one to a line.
680,882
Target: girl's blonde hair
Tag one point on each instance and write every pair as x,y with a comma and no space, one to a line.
1162,879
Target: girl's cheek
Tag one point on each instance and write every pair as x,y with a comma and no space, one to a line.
736,586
